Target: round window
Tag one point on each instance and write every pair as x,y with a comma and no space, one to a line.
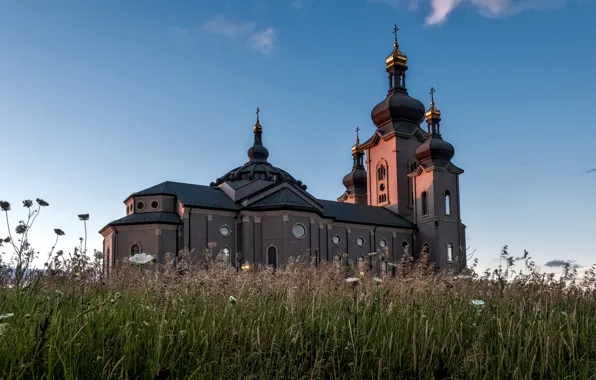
382,187
225,231
154,204
299,231
336,239
360,241
140,205
383,243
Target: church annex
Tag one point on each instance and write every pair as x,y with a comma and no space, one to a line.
401,194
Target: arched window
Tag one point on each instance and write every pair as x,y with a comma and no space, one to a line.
336,261
108,259
447,202
405,246
424,203
135,249
382,182
272,256
225,255
450,257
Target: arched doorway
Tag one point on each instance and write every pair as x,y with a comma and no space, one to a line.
272,256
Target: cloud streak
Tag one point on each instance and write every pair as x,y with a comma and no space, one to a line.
262,41
441,9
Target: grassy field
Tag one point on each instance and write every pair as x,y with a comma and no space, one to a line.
297,323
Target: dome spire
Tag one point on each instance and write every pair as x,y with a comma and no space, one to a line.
357,148
433,115
397,57
257,152
355,181
434,148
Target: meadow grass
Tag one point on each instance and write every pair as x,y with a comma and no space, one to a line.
297,323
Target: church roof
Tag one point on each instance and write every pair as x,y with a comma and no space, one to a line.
363,214
192,195
285,199
149,217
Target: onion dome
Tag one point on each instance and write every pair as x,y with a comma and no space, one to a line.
434,148
398,105
356,181
257,152
258,168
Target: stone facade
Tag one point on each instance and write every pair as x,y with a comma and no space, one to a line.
402,193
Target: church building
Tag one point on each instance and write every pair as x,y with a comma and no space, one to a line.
402,194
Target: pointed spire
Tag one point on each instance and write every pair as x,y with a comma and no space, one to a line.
357,148
433,115
258,153
397,57
258,123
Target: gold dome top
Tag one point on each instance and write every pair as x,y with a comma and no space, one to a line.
397,57
433,112
258,127
357,148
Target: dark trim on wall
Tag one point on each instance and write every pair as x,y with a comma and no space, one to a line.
189,229
116,244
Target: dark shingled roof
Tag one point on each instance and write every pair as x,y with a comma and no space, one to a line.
363,214
284,198
193,195
148,217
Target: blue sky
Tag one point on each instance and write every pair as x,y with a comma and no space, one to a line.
101,99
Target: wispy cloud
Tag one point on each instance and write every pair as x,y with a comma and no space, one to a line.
562,263
440,9
593,170
262,41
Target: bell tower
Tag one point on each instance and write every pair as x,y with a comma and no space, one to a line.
437,198
398,134
355,181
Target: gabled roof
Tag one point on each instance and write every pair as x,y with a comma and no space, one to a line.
283,198
192,195
364,214
286,198
147,217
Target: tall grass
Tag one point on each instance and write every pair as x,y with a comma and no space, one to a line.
296,323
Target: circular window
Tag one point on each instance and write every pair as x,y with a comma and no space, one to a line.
336,239
225,231
299,231
140,205
383,243
360,241
382,187
154,204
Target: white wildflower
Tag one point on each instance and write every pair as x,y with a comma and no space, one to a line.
141,259
478,302
352,280
6,316
377,280
232,300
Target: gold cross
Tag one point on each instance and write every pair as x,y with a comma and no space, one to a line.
395,29
357,129
258,111
432,94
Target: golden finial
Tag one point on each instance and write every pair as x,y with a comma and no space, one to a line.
258,126
357,148
433,113
396,57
